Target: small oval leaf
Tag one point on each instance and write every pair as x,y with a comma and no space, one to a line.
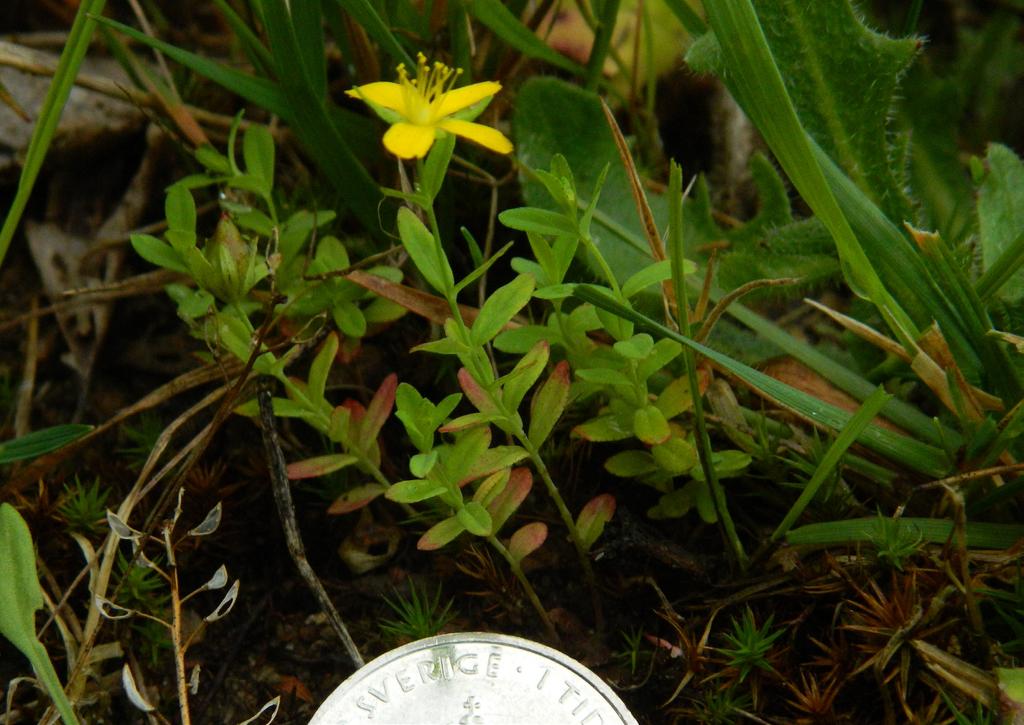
135,697
210,523
527,540
225,605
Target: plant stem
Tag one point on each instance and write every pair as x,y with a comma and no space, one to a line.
179,648
683,307
531,594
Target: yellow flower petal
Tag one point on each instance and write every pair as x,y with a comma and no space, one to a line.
484,135
407,141
458,99
384,94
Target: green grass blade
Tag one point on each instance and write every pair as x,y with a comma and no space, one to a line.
39,442
755,80
262,92
908,452
602,42
53,105
693,22
980,535
306,26
363,12
507,26
846,438
322,134
678,261
257,53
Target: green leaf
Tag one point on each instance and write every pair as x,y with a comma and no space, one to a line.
650,425
518,382
637,347
549,111
527,540
356,498
420,243
842,78
320,368
436,166
475,518
440,534
631,464
35,444
604,429
1001,218
180,209
908,451
676,456
980,535
20,597
500,307
650,275
505,503
538,221
594,515
415,490
727,464
548,404
157,252
320,466
258,151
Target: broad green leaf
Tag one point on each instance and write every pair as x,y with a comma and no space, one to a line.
320,368
518,382
157,252
538,221
631,464
320,466
604,428
491,460
475,518
727,464
548,404
650,275
440,534
415,490
527,540
20,597
356,498
504,504
1001,217
594,515
258,151
500,307
843,79
549,111
635,348
35,444
421,246
676,456
650,425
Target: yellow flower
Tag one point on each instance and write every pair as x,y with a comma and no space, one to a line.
421,108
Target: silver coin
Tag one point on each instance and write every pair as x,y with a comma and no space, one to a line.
473,678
